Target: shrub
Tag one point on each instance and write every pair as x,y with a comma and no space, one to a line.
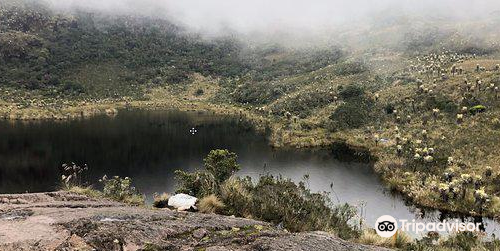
73,88
401,240
351,114
117,189
199,183
237,197
442,103
350,68
281,201
467,241
351,91
121,190
210,204
272,199
389,108
221,164
199,92
72,175
304,103
161,201
462,241
495,123
261,92
370,237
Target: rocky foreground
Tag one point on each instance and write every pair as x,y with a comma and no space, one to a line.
68,221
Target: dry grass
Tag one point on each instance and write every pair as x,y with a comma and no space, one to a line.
87,191
370,237
470,65
161,201
399,240
236,195
210,205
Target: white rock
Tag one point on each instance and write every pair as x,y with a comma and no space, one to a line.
182,202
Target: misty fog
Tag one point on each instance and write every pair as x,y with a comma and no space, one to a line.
248,16
298,22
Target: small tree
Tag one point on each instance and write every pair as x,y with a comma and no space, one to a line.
221,164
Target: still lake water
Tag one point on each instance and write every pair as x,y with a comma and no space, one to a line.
148,146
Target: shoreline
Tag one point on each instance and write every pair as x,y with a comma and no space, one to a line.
278,137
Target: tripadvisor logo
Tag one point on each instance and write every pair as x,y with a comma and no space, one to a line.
387,226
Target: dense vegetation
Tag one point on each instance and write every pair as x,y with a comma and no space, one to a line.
273,199
41,49
107,56
426,109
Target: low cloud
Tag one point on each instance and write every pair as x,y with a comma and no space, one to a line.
301,19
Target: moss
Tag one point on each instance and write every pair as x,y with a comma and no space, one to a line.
477,109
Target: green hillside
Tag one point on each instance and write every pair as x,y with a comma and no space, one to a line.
423,105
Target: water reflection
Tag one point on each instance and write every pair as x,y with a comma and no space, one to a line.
149,146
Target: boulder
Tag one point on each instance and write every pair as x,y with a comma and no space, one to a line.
183,202
199,233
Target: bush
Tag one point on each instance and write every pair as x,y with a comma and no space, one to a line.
237,197
121,190
351,114
210,204
495,123
73,88
441,102
351,91
303,104
199,183
350,68
272,199
281,201
72,175
389,108
462,241
219,166
370,237
161,201
261,92
466,241
117,189
199,92
355,111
